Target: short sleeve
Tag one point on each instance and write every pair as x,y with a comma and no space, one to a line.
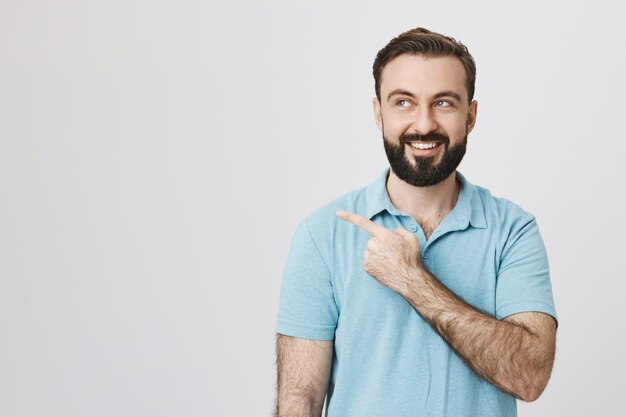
307,306
523,281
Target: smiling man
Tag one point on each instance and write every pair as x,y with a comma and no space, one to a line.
420,294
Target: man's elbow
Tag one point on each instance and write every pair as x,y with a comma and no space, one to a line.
530,395
532,392
535,381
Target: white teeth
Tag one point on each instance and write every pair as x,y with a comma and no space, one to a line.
422,145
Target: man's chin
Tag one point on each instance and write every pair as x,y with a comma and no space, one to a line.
430,160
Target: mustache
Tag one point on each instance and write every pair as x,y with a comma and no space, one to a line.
429,137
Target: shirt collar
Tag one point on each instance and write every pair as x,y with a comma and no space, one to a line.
468,209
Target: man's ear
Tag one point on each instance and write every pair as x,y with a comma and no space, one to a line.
377,114
471,115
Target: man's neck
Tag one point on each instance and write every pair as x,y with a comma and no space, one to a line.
425,204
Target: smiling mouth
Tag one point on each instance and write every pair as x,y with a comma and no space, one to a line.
424,145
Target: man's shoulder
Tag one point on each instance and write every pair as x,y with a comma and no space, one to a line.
501,211
323,218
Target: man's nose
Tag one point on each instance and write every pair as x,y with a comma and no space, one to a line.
424,121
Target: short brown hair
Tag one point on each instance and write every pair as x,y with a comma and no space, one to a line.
420,41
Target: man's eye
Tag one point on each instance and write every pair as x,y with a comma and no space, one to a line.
443,103
403,103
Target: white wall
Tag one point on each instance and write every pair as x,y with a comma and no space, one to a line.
156,156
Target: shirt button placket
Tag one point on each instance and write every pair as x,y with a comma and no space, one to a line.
413,229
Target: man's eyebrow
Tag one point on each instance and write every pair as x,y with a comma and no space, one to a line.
447,93
400,92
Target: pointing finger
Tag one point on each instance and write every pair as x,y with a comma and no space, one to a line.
366,224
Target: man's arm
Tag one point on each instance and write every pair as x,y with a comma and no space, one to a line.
515,354
303,371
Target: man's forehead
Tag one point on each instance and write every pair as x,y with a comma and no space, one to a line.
423,75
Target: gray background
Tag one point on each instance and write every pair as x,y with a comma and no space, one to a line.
156,156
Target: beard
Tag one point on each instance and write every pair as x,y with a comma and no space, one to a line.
424,172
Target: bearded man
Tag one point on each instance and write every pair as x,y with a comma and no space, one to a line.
420,294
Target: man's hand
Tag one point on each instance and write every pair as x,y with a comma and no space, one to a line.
391,257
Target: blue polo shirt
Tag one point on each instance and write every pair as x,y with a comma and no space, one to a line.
388,361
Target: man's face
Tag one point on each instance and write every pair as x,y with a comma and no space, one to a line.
424,117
